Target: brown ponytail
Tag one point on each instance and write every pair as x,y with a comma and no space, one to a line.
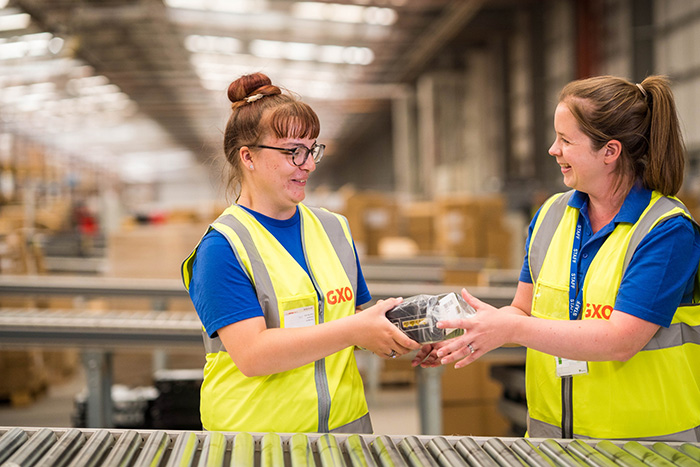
664,172
642,117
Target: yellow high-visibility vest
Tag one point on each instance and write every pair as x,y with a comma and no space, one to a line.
322,396
653,395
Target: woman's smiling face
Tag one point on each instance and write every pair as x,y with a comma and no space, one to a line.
583,166
276,182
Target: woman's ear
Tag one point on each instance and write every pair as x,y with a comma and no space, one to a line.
246,156
613,149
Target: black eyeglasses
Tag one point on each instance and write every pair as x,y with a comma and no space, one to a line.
300,153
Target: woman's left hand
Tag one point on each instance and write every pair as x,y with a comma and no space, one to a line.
488,329
427,356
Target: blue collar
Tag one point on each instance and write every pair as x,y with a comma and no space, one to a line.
632,208
265,220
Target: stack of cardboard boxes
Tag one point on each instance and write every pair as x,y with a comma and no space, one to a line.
470,401
454,227
25,376
372,216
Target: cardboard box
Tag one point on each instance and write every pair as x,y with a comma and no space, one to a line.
24,376
474,418
372,216
152,251
469,384
419,224
473,227
457,227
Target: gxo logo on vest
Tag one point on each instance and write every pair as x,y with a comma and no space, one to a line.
597,311
339,295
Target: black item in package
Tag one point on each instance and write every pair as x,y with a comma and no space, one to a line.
417,316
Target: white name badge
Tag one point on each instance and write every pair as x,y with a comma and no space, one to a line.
299,317
566,367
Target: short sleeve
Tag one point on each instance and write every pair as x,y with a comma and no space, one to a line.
220,289
363,295
661,274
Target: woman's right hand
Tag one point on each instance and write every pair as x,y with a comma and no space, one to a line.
377,334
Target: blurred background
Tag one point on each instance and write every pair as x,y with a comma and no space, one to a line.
437,116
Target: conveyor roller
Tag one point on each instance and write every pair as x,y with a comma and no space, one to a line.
58,447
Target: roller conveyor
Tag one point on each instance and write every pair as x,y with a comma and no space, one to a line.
52,447
91,328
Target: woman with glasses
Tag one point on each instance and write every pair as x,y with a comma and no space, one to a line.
277,284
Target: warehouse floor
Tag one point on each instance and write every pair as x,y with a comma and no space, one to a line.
394,410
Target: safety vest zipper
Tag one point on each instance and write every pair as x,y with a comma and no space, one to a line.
320,375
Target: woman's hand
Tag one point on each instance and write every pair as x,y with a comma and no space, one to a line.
427,356
377,334
488,329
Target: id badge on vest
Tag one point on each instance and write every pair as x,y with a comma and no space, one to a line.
300,317
564,366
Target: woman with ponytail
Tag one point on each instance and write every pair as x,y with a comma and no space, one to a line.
277,284
607,298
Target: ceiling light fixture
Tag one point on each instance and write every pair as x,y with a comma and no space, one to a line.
14,22
342,13
28,45
213,44
224,6
311,52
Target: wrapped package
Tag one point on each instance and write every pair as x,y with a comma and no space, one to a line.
417,316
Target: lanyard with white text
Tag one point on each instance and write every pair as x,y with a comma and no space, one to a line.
574,302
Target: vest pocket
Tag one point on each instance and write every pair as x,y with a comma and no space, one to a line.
550,300
298,311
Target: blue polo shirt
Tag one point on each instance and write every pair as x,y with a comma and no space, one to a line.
661,274
220,289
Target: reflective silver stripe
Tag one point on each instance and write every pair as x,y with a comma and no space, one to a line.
540,242
567,407
263,283
324,395
678,333
540,429
320,376
661,207
675,335
361,425
343,248
212,344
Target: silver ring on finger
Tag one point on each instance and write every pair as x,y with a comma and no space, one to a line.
471,349
392,354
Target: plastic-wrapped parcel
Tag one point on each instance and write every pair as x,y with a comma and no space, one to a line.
417,316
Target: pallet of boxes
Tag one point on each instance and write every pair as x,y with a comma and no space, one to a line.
473,228
24,376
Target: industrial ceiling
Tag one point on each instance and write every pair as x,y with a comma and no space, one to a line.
140,84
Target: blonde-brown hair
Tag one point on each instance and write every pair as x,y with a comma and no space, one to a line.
259,108
642,118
